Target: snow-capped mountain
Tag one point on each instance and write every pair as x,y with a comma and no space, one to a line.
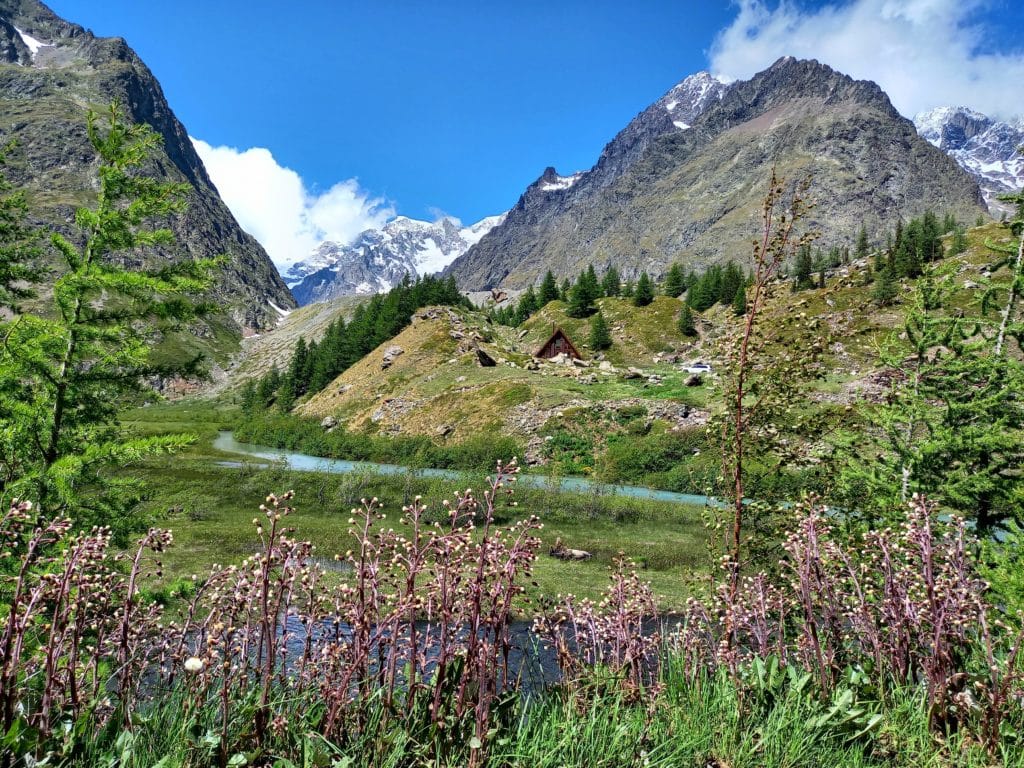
379,258
986,148
691,97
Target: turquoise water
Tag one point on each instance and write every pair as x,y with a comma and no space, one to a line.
302,462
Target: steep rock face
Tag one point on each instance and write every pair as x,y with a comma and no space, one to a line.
985,148
693,194
380,258
51,72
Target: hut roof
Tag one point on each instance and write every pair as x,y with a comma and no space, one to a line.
554,335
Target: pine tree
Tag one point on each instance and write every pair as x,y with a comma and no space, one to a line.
611,284
247,398
862,246
548,290
804,269
686,324
592,282
565,290
63,377
953,425
885,288
732,279
19,246
600,335
675,281
958,243
528,304
739,302
643,294
582,296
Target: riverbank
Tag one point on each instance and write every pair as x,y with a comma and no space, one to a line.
210,508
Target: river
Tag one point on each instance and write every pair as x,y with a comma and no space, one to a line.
302,462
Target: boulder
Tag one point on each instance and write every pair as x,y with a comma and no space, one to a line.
329,422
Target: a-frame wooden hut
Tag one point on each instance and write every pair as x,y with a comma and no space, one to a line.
557,344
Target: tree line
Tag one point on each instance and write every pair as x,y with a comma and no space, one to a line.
314,365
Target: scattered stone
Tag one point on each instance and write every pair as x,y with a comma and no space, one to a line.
445,429
580,363
606,366
693,380
459,379
329,422
522,334
389,356
483,359
562,552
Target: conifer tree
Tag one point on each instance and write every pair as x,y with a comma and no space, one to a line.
611,284
862,246
643,294
884,292
675,281
732,279
958,243
565,290
739,302
804,269
548,290
19,246
686,324
583,295
600,335
528,304
953,425
593,282
63,377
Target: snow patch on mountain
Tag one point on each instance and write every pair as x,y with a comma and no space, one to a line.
31,43
985,148
378,259
561,182
692,96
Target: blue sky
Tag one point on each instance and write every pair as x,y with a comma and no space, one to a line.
454,107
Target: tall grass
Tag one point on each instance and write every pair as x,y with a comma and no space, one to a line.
875,651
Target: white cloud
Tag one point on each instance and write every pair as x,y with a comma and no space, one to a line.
274,205
923,53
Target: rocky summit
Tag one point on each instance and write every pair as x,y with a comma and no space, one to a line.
379,258
985,148
51,72
685,179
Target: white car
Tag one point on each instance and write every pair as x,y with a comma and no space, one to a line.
698,368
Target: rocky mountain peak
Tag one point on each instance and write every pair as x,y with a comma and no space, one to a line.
379,258
984,147
49,69
682,181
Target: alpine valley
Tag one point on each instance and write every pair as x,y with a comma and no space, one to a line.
708,455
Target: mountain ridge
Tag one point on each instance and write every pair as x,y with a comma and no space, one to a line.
51,72
984,147
379,258
692,194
